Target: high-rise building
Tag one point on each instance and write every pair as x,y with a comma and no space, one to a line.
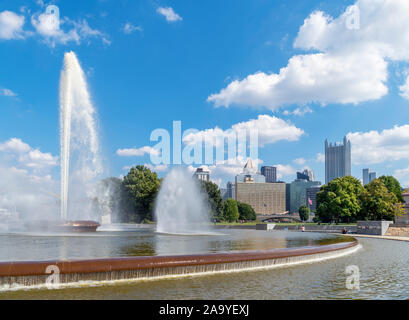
250,174
265,198
337,160
307,174
368,176
231,190
298,193
202,174
365,176
270,173
312,197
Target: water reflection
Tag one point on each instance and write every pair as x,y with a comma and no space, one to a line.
145,242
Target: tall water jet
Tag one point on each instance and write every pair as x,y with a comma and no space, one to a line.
77,133
180,206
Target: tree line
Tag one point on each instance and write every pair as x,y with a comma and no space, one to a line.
133,198
346,200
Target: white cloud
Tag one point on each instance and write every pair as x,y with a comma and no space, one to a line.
320,158
15,145
37,160
28,156
169,14
285,170
11,25
157,168
52,33
404,89
298,111
129,28
7,93
133,152
270,130
299,161
377,147
350,66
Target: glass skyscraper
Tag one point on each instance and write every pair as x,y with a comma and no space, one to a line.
337,160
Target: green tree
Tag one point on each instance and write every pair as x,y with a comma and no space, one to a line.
378,203
393,186
340,200
304,213
141,186
246,212
214,198
230,211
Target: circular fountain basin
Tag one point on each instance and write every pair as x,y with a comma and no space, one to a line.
144,254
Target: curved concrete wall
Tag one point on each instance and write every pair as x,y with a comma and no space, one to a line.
34,273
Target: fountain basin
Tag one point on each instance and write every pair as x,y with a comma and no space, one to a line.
61,226
34,273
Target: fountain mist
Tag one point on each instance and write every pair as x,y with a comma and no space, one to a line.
77,133
180,207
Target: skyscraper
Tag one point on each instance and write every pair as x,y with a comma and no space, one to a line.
365,176
368,176
337,160
270,173
307,174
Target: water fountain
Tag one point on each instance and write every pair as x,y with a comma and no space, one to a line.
180,206
79,144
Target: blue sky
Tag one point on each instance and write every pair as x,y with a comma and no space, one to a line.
203,62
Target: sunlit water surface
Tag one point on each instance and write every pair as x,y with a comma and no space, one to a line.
384,266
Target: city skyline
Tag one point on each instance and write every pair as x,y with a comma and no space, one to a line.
142,77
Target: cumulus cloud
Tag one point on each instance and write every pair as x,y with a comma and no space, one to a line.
129,28
26,155
157,168
320,158
52,32
404,89
377,147
11,25
351,65
299,161
169,14
298,111
134,152
270,130
7,93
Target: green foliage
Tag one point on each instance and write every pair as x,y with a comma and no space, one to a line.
141,186
246,212
214,198
393,186
230,211
304,213
379,203
340,200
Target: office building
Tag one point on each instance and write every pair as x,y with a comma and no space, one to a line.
270,173
368,176
202,174
312,197
250,174
298,193
337,160
265,198
307,174
231,190
372,176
